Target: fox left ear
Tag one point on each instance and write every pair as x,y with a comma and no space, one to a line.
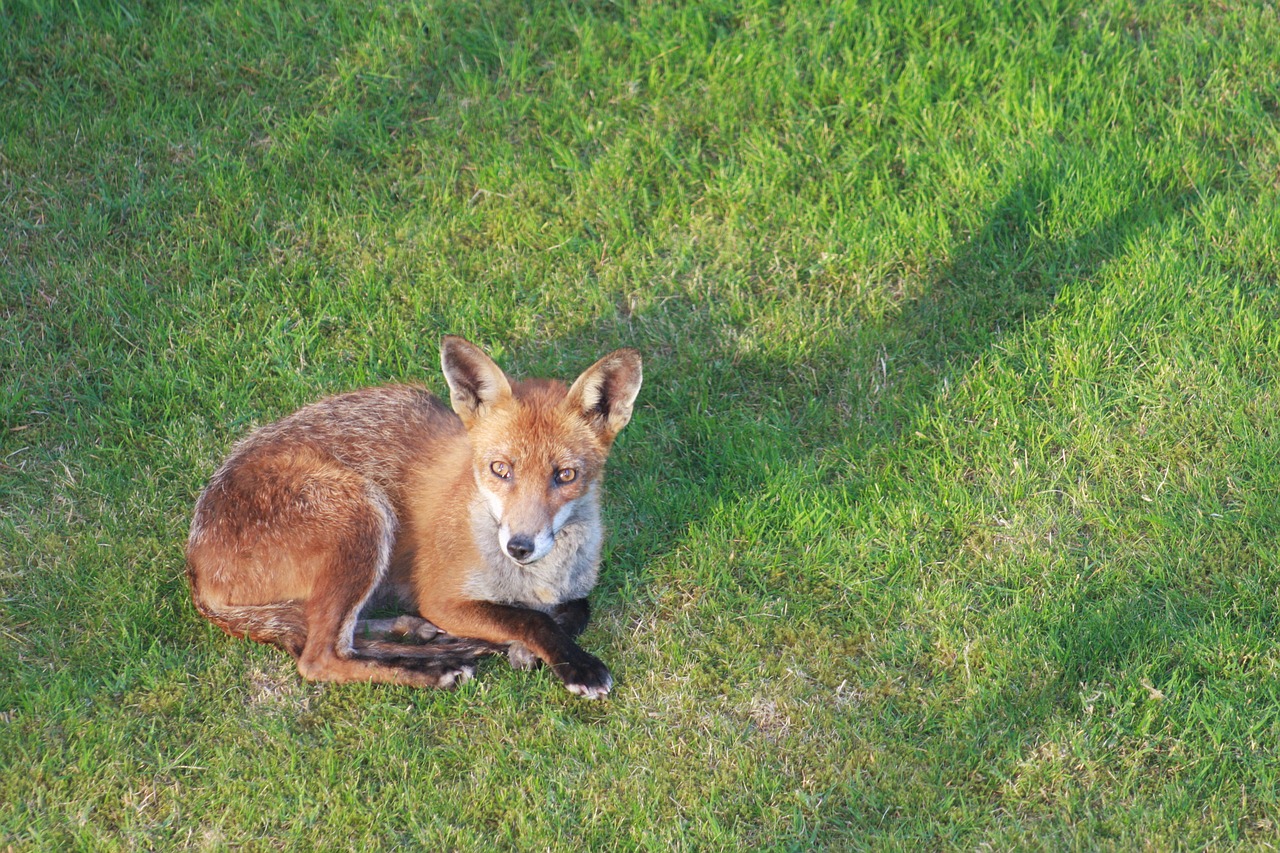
606,390
476,383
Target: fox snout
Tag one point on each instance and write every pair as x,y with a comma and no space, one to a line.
529,538
520,547
523,547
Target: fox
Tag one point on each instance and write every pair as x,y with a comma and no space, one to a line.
479,520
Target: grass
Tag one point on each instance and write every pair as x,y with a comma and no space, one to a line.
948,515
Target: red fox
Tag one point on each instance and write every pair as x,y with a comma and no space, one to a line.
484,521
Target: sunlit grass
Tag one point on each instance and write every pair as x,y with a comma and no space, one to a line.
947,516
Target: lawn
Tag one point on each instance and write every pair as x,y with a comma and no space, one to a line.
948,515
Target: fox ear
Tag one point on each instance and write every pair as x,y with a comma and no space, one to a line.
475,381
605,391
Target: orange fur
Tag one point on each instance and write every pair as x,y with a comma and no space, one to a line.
483,520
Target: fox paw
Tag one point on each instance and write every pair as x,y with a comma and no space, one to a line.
454,676
586,677
519,656
444,673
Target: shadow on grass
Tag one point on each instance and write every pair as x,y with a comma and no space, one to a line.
998,278
1002,276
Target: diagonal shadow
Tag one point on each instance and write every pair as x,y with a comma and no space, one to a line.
732,440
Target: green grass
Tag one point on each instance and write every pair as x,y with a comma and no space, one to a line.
948,515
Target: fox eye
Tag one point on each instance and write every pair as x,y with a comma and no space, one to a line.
566,475
500,469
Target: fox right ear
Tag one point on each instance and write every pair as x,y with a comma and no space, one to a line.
606,391
475,382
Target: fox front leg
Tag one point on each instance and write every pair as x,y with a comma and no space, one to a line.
583,674
572,616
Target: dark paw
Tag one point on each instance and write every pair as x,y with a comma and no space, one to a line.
449,676
442,670
585,676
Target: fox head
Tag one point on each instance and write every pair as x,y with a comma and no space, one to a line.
538,449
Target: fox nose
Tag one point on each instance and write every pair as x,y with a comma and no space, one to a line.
520,547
